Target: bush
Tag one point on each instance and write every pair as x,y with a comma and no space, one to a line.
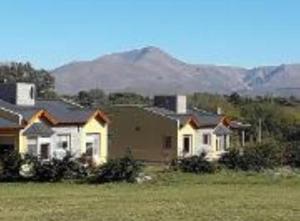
10,161
54,170
116,170
291,155
195,164
256,158
232,159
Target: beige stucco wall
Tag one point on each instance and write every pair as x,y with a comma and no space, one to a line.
95,127
143,132
186,130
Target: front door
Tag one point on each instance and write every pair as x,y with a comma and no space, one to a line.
45,151
187,144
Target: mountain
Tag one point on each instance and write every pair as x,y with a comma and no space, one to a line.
150,71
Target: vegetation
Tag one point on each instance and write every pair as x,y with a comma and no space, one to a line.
116,170
195,164
171,196
19,72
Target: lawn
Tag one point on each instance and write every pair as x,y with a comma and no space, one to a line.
171,196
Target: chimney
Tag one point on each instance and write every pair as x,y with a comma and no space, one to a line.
22,94
176,103
219,111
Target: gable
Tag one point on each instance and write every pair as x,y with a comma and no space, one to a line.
44,116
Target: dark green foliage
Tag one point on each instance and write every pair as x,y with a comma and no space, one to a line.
47,171
10,162
232,159
195,164
19,72
58,169
291,156
255,158
116,170
127,98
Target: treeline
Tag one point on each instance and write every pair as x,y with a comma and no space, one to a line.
24,72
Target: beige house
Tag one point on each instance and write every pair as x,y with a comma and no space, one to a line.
50,128
166,130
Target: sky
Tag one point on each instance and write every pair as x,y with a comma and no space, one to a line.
245,33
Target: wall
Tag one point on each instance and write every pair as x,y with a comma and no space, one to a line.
211,149
143,132
186,130
94,126
23,96
74,132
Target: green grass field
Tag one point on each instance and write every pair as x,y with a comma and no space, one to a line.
171,196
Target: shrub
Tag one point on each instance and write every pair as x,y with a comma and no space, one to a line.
291,155
53,170
10,161
116,170
195,164
231,159
256,158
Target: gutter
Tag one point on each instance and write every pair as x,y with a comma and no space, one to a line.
20,117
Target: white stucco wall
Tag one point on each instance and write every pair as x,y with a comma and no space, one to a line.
23,94
186,130
74,132
211,149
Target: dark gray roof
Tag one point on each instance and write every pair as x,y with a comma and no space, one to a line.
39,129
62,111
183,118
205,118
221,130
5,123
65,112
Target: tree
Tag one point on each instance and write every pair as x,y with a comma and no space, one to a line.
24,72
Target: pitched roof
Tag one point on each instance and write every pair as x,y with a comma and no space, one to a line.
221,130
182,118
5,123
205,118
39,129
62,111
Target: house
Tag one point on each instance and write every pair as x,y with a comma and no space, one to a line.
50,128
167,130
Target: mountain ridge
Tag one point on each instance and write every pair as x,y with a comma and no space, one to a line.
150,70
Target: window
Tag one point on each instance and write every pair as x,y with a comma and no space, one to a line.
32,93
45,151
92,144
217,144
167,144
187,143
64,141
32,146
206,139
89,149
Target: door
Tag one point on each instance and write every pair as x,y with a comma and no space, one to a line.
187,144
45,151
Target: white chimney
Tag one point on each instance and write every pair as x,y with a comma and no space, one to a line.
219,111
176,103
18,93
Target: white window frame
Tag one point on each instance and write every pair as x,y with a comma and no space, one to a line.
59,141
209,138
